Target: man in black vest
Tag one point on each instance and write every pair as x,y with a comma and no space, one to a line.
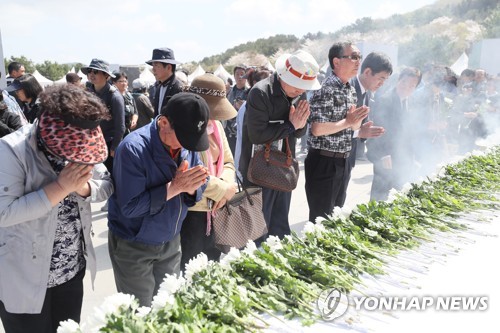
164,63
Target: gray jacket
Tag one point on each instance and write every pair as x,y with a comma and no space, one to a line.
28,222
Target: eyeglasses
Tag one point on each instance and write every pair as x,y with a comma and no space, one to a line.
355,57
90,70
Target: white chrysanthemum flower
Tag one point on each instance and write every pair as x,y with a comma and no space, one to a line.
250,248
161,300
113,303
143,311
346,211
393,195
274,243
243,293
406,188
95,321
308,228
233,255
289,239
195,265
68,326
311,228
320,220
337,213
171,283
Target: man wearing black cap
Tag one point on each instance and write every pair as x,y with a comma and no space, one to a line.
158,175
167,84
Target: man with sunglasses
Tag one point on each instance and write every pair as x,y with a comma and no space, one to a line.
98,74
334,117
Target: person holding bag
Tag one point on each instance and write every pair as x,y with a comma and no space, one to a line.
273,115
196,232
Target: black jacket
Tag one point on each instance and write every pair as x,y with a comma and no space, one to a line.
9,121
266,119
173,86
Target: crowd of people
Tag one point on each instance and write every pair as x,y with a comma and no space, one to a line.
164,159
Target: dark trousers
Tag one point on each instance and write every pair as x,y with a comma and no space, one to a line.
276,206
194,239
61,303
326,183
139,268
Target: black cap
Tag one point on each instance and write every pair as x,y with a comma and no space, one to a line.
188,113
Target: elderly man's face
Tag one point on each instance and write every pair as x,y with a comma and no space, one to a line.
161,71
167,133
291,91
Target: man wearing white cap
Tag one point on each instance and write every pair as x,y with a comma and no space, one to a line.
334,117
273,115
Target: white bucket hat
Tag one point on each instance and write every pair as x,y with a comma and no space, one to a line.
298,70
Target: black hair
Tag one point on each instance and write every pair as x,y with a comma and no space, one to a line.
377,62
118,76
14,66
238,67
337,51
30,86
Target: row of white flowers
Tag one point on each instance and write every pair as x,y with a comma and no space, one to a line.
171,284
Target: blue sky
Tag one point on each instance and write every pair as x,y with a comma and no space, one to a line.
126,31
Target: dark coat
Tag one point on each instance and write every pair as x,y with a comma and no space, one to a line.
9,121
266,119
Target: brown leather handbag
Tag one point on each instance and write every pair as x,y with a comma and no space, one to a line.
240,219
274,169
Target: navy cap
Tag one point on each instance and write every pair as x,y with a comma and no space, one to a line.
164,55
99,65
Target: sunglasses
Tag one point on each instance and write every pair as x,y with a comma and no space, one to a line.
90,70
354,57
